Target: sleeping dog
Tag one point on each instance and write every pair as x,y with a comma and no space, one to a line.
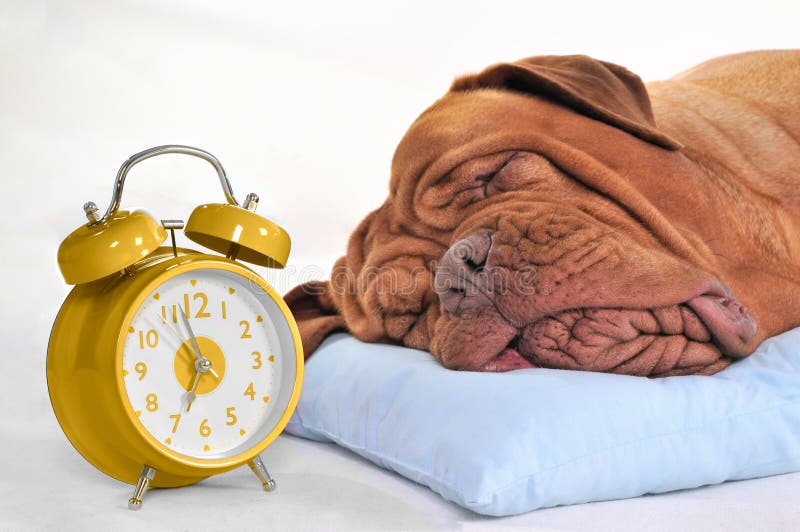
556,212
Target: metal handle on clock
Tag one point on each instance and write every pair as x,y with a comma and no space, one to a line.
116,196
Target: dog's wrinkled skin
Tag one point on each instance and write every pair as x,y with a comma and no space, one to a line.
556,213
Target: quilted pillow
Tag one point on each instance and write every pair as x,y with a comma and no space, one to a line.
506,443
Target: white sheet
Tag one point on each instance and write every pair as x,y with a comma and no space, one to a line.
47,485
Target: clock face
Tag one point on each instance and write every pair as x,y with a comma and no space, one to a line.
216,383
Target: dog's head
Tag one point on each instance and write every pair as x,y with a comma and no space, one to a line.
515,235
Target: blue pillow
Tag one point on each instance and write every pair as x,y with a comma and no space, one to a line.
507,443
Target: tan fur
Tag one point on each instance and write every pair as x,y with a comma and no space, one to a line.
706,184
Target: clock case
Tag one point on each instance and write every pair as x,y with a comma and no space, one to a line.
115,261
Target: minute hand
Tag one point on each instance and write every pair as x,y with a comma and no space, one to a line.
191,334
192,337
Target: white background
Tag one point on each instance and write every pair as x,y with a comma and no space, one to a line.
304,104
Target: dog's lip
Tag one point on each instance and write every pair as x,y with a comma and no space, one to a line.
711,286
508,359
731,326
714,298
715,287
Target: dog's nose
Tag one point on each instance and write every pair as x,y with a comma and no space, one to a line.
462,280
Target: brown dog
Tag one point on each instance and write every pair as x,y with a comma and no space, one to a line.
555,212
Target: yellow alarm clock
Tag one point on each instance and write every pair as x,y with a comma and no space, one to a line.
167,365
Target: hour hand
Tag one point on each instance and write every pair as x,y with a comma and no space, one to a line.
201,365
191,395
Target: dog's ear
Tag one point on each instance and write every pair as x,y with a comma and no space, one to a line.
603,91
315,313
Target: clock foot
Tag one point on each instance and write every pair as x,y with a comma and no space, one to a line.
147,474
261,472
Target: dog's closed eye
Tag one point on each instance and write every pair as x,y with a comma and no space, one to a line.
486,181
505,172
472,180
460,191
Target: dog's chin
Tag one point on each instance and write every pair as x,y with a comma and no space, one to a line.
697,336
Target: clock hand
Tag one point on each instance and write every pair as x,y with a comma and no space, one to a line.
201,366
191,334
191,396
201,360
180,339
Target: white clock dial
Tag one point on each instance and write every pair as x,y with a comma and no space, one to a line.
241,331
